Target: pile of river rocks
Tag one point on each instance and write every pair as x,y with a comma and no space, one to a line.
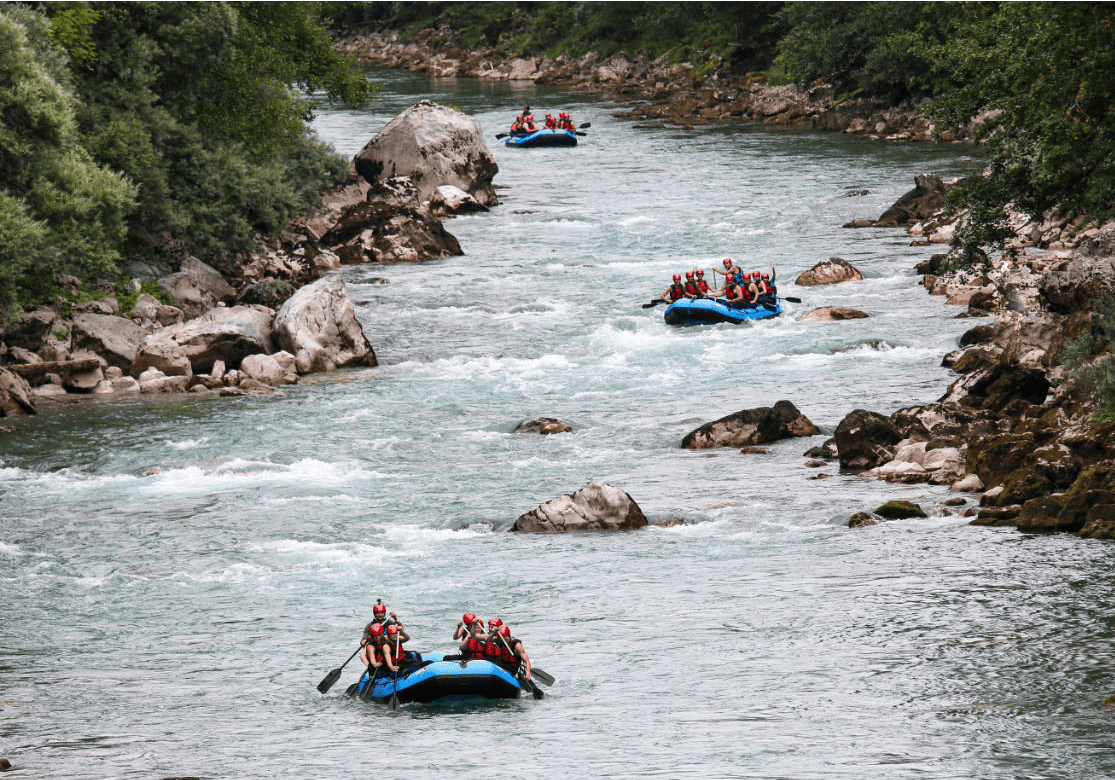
244,324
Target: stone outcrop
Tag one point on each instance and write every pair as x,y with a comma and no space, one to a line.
596,507
15,395
318,326
226,334
434,146
750,427
832,271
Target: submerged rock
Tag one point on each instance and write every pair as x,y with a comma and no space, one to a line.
543,426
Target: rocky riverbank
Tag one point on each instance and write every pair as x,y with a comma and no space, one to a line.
1013,427
658,90
247,323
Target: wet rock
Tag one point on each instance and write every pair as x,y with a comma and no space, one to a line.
898,510
751,426
433,145
276,369
197,287
922,202
862,520
543,425
866,439
596,507
833,314
318,326
832,271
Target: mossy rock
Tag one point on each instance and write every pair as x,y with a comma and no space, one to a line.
897,510
862,520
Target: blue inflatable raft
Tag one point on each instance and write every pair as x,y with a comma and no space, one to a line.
543,137
706,311
429,677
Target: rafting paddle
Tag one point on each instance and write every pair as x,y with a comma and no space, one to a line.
653,303
543,677
366,694
790,299
395,692
327,681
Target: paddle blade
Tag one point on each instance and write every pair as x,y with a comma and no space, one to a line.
328,680
394,701
586,124
542,677
653,303
791,299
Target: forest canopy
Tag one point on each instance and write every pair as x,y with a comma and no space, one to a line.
121,121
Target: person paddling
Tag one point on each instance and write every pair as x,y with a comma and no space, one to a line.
675,292
375,654
565,123
702,286
380,615
473,644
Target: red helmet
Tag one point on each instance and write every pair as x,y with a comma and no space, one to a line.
756,274
380,608
677,277
688,274
747,276
766,276
495,622
375,629
392,630
468,618
564,114
727,262
505,631
700,272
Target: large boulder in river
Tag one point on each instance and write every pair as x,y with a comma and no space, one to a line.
318,326
866,439
597,506
923,201
751,426
833,314
433,145
831,271
226,334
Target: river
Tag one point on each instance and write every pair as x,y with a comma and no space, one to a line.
179,573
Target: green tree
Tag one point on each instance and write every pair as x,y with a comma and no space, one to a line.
1046,71
59,210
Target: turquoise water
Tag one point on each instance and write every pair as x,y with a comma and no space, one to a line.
178,574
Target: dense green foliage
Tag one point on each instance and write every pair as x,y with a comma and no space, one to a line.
740,35
1091,361
122,121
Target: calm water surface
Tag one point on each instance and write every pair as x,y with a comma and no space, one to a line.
177,575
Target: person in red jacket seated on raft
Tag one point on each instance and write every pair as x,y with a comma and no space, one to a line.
703,288
507,651
550,123
691,288
675,292
473,644
730,291
377,654
565,123
465,624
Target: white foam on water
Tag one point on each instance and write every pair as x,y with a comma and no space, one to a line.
187,444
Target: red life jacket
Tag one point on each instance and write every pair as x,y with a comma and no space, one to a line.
506,655
677,292
692,289
491,650
551,124
764,287
702,285
729,289
474,648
